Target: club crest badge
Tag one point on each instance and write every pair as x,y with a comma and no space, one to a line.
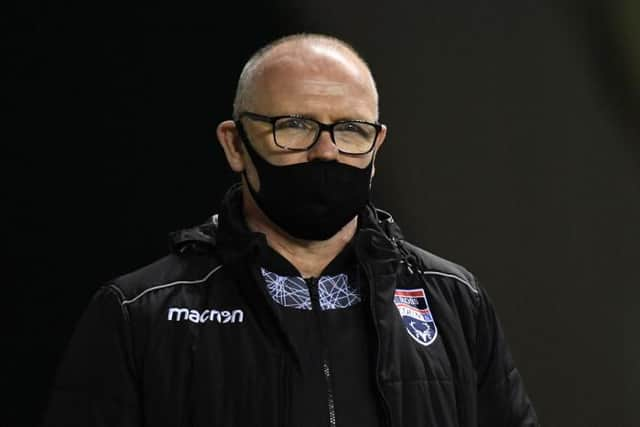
416,315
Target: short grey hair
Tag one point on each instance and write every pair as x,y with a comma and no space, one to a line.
245,82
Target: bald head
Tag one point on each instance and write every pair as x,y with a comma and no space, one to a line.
320,57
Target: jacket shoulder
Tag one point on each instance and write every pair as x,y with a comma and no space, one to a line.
191,261
166,272
430,264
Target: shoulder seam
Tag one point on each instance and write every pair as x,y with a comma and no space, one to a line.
167,285
117,290
465,282
453,276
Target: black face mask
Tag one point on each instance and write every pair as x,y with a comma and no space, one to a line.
310,201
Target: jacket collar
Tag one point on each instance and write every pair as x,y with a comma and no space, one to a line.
378,235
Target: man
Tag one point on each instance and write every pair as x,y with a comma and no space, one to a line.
300,304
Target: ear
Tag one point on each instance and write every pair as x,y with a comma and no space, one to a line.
381,137
231,144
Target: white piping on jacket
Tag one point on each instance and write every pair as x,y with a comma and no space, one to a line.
179,282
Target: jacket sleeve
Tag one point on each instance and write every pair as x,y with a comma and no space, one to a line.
95,383
502,399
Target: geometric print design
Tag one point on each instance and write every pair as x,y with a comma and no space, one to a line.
292,291
335,292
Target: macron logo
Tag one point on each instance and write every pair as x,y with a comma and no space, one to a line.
178,314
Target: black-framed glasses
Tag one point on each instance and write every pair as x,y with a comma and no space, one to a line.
297,133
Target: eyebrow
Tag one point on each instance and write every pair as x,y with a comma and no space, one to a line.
339,119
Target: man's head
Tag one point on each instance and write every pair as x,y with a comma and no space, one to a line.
314,77
298,48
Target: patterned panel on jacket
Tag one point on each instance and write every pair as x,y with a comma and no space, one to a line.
334,292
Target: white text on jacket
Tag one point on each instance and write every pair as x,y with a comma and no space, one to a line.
218,316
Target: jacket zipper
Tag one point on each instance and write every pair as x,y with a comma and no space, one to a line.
385,404
312,283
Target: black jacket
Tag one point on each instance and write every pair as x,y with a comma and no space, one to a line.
190,341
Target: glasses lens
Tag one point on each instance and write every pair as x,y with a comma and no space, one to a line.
354,137
295,133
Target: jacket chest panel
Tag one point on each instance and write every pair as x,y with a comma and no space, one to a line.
413,361
424,378
218,373
411,333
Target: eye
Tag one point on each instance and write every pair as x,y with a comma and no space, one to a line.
354,127
292,123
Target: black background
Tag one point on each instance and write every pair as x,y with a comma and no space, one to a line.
512,149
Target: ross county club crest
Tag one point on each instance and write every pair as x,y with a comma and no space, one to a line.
416,315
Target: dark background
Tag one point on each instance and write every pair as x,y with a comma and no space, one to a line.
512,149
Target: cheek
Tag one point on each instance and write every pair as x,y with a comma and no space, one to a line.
269,151
281,157
359,162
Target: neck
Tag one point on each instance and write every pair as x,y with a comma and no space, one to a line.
309,257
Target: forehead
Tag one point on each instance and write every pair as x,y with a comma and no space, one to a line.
314,79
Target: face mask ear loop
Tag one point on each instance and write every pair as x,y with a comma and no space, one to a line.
250,150
243,137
